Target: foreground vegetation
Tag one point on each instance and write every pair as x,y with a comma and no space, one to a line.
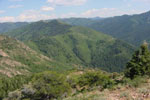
76,84
82,84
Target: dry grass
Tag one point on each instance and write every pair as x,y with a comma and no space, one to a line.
121,93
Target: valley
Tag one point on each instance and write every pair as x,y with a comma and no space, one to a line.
76,45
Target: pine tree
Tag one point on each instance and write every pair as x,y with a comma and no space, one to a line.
139,65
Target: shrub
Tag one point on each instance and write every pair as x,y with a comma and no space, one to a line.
15,95
136,82
10,84
50,85
27,92
95,78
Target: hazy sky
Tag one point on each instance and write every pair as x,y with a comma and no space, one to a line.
33,10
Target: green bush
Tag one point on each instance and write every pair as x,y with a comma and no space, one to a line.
10,84
43,86
136,82
95,78
50,85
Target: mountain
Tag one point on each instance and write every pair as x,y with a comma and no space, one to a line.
133,29
97,18
4,27
76,45
17,58
81,21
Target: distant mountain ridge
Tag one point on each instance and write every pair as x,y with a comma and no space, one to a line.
133,29
81,21
5,27
74,44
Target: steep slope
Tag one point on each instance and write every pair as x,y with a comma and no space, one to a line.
76,45
17,58
5,27
131,28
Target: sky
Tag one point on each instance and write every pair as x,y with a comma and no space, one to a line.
34,10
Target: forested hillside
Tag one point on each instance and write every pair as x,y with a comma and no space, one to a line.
76,45
131,28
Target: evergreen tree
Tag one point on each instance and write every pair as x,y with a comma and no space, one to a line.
140,63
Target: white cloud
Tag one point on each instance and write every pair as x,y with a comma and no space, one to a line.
33,15
107,12
7,19
2,11
67,2
29,16
46,8
15,6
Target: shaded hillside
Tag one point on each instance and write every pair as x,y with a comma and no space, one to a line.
131,28
5,27
75,45
17,58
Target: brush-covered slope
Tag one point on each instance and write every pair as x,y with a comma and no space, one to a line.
17,58
5,27
76,45
131,28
